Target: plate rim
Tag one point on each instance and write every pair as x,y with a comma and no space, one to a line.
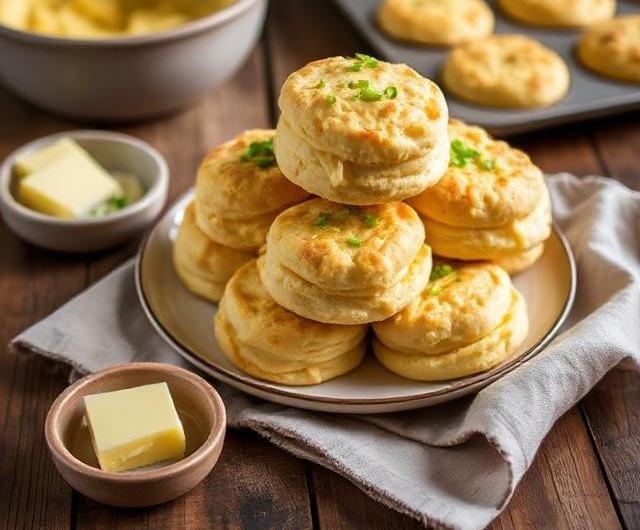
224,374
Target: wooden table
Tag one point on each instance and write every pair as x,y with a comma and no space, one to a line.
585,476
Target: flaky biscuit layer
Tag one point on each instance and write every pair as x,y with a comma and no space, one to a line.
493,349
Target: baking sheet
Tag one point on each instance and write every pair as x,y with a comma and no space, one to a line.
590,95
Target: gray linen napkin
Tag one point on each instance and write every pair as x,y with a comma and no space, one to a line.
451,466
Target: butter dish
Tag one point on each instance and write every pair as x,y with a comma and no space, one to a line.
199,406
117,153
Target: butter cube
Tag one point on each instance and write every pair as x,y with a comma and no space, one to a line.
134,427
64,181
41,158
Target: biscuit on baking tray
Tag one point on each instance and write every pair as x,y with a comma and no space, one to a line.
269,342
240,190
467,320
612,48
361,131
571,13
344,264
445,22
506,71
488,183
203,265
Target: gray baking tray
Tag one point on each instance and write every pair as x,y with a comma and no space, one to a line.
589,96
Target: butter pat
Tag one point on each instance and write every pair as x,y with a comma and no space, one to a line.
134,427
63,180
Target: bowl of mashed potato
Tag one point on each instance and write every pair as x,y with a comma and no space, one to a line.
123,59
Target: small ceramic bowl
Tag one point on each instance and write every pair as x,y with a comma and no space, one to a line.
138,488
132,77
115,152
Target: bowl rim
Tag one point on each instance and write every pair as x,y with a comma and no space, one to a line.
154,193
187,29
214,439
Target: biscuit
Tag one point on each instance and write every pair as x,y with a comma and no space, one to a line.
445,22
203,265
354,116
269,342
327,176
343,264
461,304
493,242
492,349
572,13
521,260
612,48
240,190
488,183
506,71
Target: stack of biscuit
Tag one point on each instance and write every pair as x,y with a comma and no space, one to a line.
239,192
491,204
362,136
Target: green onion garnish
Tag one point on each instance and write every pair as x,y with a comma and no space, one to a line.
435,291
371,220
323,219
331,99
363,60
109,206
366,93
440,271
461,153
354,241
320,84
260,153
488,164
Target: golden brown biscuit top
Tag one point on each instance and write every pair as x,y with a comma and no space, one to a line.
516,62
488,182
347,247
240,178
618,38
260,319
364,110
450,20
553,13
461,304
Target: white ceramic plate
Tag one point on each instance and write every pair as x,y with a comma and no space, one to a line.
186,323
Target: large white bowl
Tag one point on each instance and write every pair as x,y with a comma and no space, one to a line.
128,78
115,152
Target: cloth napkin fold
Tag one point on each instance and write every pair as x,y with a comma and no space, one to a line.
452,466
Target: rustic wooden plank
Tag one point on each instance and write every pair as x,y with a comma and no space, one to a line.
611,409
254,486
574,496
33,282
565,148
617,142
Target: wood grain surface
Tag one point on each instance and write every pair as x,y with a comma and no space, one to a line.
585,476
